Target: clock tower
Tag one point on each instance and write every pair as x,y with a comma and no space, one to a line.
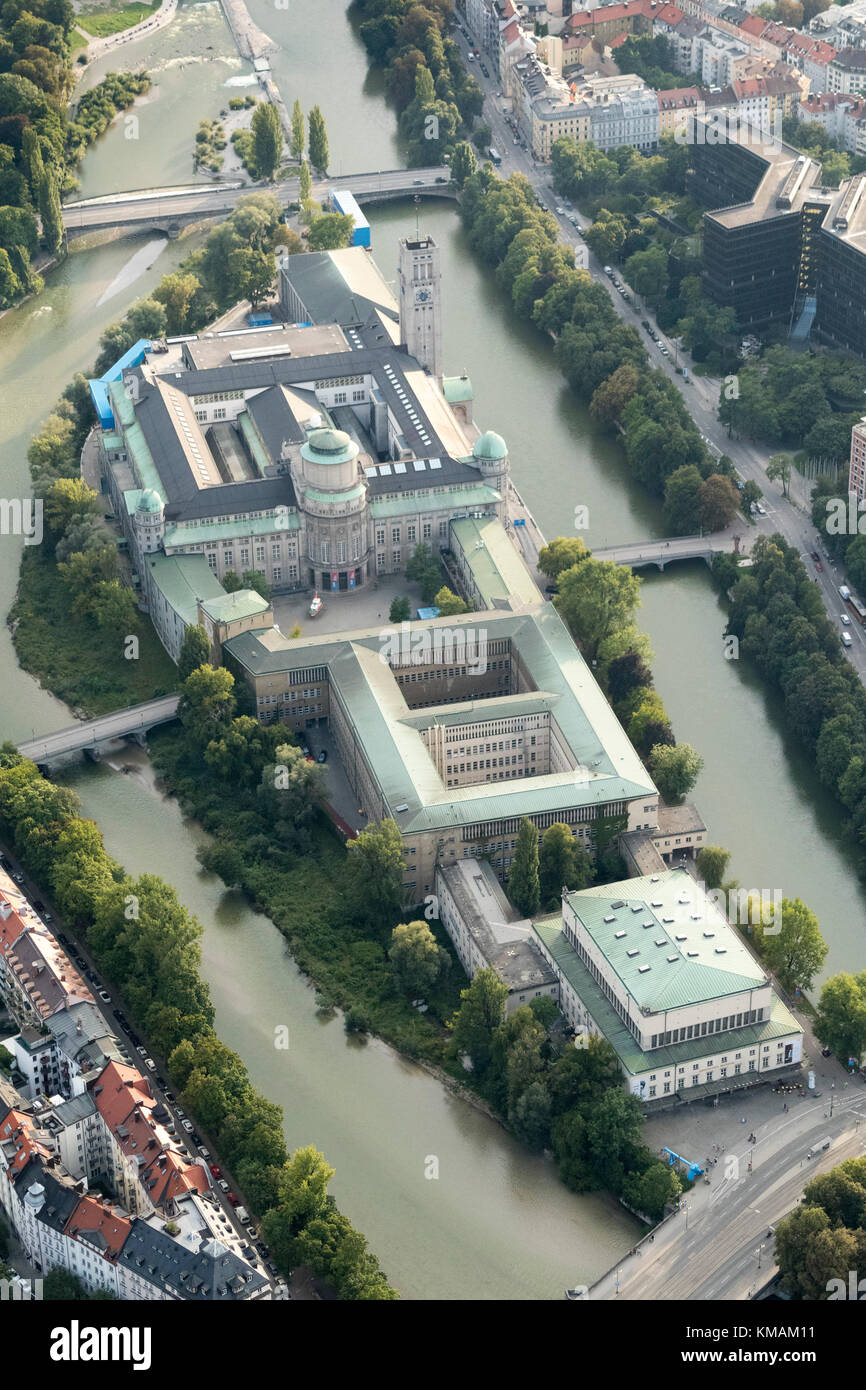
420,296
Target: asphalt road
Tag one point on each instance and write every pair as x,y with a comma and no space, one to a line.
789,516
721,1247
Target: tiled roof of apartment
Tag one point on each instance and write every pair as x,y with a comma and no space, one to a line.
211,1273
103,1228
676,98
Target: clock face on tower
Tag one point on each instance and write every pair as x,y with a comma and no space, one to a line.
422,296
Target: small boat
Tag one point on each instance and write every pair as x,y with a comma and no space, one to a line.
315,606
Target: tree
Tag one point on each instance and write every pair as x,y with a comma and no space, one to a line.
749,495
375,868
796,952
597,597
194,652
31,160
318,141
177,293
683,501
298,135
625,674
606,237
841,1020
49,211
425,570
809,1253
67,500
254,271
463,163
112,605
255,579
613,395
562,864
523,884
267,139
779,469
561,554
644,725
482,1009
651,1191
416,959
711,862
449,604
305,182
675,770
719,503
401,610
290,787
207,704
331,231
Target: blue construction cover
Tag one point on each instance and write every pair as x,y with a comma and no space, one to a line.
133,358
425,614
102,404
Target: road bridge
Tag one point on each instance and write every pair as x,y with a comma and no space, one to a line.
93,736
168,210
639,554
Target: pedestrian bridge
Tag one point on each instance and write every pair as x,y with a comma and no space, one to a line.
639,554
168,210
95,735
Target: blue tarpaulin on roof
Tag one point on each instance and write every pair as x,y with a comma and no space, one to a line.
133,358
102,404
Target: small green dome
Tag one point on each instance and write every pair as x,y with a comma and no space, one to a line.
490,445
149,501
326,441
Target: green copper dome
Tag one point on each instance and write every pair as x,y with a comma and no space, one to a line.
149,501
329,446
327,441
490,446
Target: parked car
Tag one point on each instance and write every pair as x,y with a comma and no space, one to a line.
104,996
235,1201
223,1185
180,1113
323,756
826,1052
187,1124
216,1171
118,1014
150,1064
81,962
62,939
160,1081
142,1051
819,567
169,1095
19,877
844,620
196,1138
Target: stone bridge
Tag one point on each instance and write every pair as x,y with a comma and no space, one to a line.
96,736
639,554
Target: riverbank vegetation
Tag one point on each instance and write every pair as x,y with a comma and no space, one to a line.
40,144
210,141
148,946
777,615
602,358
101,23
570,1100
436,99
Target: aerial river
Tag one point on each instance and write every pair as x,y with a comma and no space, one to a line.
497,1223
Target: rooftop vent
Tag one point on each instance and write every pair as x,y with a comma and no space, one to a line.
619,935
619,903
642,969
672,959
633,952
612,918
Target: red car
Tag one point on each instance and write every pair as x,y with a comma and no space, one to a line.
233,1199
216,1172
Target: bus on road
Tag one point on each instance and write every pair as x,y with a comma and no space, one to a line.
857,609
495,156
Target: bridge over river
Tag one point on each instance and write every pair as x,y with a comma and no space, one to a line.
167,210
94,735
639,554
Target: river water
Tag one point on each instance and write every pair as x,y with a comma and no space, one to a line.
496,1223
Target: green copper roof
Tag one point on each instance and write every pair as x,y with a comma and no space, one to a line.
495,563
692,952
228,608
420,504
489,446
149,501
634,1060
183,580
457,389
329,446
229,531
386,729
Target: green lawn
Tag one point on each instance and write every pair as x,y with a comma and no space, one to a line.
75,660
77,41
101,23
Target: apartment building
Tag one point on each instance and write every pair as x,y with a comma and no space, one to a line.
847,72
857,479
843,118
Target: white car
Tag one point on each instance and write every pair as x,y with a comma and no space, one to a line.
105,996
844,620
142,1051
187,1124
223,1185
150,1064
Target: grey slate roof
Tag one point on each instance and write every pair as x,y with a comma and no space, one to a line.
212,1273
